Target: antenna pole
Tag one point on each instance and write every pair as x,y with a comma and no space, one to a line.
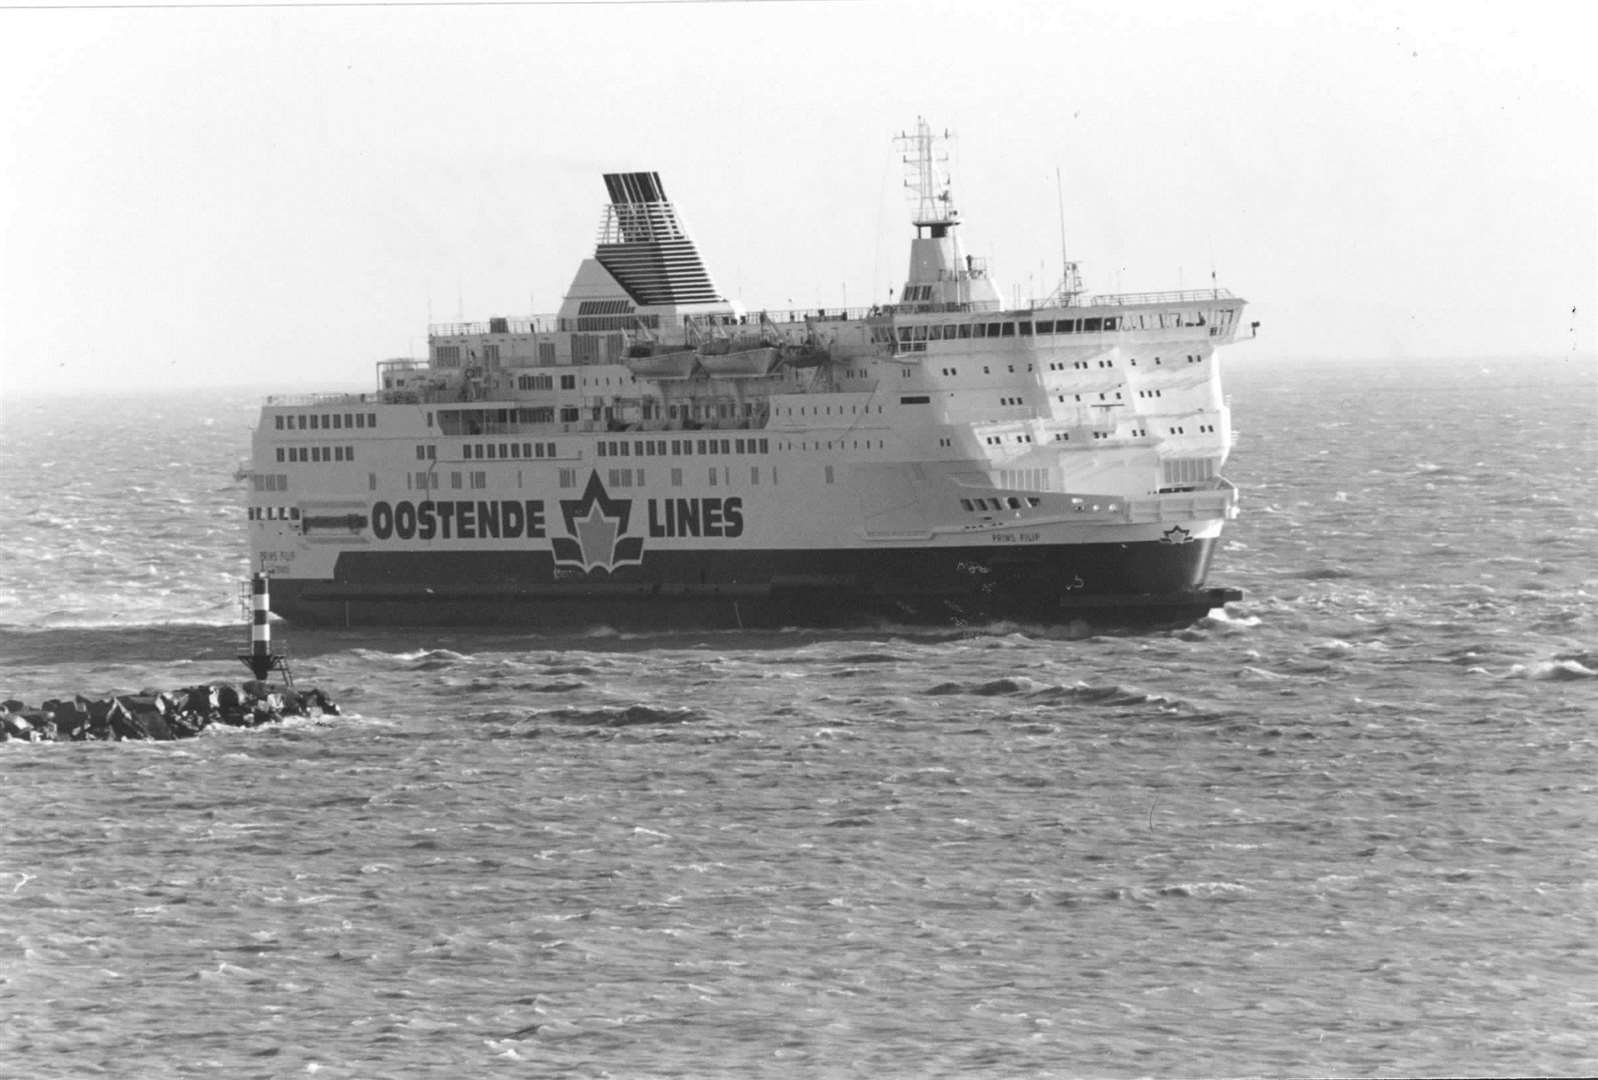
1065,263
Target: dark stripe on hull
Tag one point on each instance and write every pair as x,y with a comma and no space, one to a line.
1131,584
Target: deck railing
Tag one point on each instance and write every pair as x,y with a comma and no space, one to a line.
1178,296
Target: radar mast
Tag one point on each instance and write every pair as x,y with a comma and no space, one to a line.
940,278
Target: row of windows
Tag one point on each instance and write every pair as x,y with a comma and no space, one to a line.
324,421
316,454
502,451
1012,502
545,382
854,444
818,410
493,421
663,447
274,513
1078,397
431,481
716,476
571,478
919,333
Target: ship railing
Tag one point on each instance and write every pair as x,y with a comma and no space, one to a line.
322,399
1217,501
521,324
1176,296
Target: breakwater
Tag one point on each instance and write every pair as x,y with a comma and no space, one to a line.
158,714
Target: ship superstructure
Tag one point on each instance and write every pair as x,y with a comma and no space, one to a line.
655,454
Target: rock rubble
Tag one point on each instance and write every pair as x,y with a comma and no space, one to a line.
153,714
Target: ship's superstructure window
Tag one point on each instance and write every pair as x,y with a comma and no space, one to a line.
535,382
506,451
270,481
447,355
316,454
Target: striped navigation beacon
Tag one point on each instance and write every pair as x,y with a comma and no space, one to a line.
261,660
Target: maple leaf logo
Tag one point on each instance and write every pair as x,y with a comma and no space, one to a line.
1176,535
596,532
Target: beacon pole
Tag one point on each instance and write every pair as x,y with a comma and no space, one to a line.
261,660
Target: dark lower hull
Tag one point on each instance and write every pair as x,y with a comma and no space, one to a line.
1142,584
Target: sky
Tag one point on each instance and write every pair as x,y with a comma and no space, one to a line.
284,195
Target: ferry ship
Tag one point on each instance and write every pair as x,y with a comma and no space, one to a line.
656,455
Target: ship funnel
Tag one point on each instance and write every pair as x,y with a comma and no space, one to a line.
643,244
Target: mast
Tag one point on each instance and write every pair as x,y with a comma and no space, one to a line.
940,277
927,175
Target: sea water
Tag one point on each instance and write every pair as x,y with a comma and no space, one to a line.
1344,826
